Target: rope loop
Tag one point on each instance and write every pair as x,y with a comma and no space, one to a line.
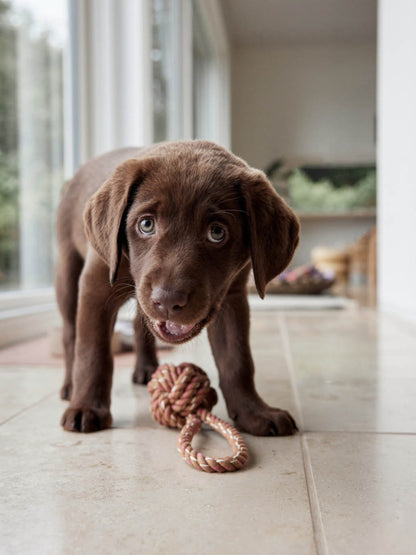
181,397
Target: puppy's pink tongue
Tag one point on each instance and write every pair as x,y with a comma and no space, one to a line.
178,329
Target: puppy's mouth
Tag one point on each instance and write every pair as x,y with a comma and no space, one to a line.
172,332
176,333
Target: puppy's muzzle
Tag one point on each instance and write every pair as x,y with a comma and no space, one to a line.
168,303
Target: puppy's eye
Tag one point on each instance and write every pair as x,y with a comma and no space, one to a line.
217,233
147,226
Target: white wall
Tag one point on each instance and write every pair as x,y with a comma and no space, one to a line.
314,102
329,232
396,157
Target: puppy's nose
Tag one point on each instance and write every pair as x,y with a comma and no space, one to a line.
167,300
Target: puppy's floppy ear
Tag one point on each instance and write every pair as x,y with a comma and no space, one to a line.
273,228
106,211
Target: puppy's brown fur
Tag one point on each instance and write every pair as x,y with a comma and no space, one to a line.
177,226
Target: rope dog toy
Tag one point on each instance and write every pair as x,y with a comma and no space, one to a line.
181,397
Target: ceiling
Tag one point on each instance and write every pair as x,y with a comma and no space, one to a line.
265,22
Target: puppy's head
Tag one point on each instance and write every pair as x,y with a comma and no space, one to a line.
189,216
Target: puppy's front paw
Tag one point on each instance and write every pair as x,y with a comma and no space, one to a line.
266,421
143,373
86,420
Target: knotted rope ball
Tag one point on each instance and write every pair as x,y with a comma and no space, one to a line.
181,397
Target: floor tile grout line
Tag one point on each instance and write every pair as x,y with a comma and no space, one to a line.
25,409
314,505
358,432
290,367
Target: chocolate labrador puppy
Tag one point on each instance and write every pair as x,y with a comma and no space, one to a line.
177,226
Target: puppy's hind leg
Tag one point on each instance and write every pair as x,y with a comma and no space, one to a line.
68,270
146,359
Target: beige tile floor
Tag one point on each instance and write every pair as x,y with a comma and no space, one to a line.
345,484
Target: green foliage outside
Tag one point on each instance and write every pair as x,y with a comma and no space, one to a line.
9,218
9,183
324,196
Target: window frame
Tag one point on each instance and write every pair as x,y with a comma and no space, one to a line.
220,75
180,123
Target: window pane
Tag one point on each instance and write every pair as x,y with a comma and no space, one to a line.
162,67
203,72
32,38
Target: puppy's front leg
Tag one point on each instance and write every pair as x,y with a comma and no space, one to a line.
89,408
229,338
146,359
